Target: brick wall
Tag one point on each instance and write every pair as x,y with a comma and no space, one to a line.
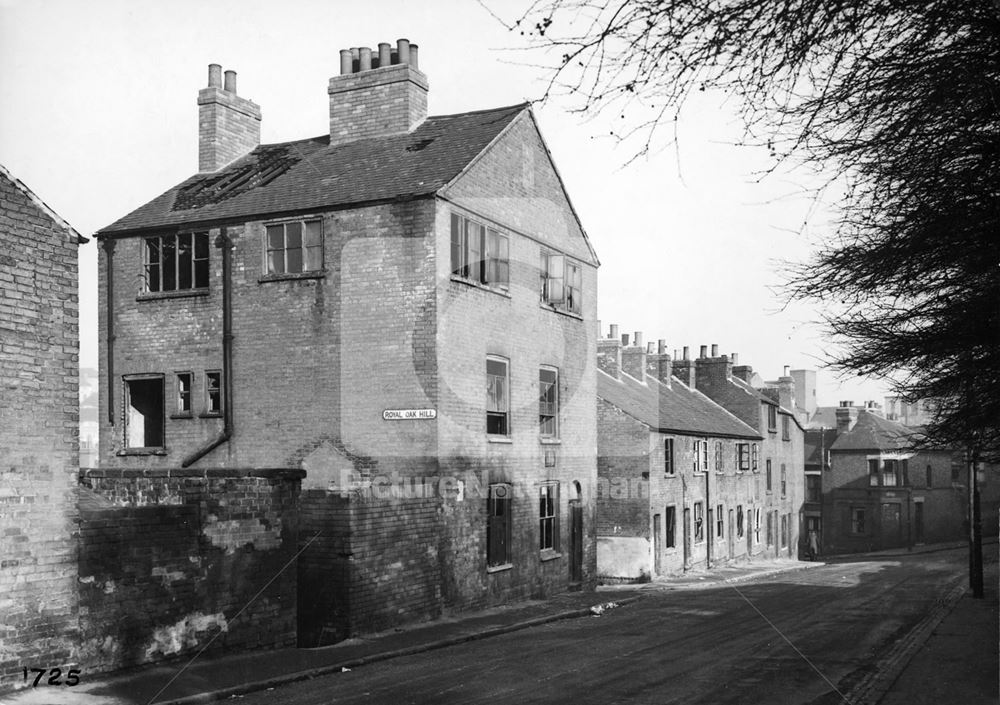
228,128
39,458
383,101
172,559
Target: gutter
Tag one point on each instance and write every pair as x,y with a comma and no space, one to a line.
226,245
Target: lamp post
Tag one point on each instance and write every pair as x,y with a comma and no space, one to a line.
975,528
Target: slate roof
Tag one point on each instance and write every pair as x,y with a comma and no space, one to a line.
817,439
311,174
873,432
673,409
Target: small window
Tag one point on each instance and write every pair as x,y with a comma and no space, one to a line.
183,399
701,456
548,517
719,521
295,247
767,474
548,402
143,412
668,456
814,488
213,393
784,480
176,262
562,282
756,526
742,457
498,525
873,472
754,458
670,524
890,473
785,428
718,457
699,522
784,530
497,397
772,418
739,521
930,476
858,520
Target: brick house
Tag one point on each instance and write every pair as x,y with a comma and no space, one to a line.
771,411
39,343
404,308
682,481
878,492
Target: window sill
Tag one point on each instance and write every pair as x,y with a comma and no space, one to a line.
142,451
499,568
499,439
484,287
550,441
548,554
292,276
182,415
670,476
562,311
179,294
210,415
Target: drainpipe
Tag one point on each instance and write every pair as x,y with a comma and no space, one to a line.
109,251
710,534
226,245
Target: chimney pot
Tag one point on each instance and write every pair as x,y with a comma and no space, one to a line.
786,371
403,50
231,82
613,331
625,340
735,358
637,339
214,76
384,54
703,351
686,353
364,59
661,346
413,56
650,347
715,350
346,62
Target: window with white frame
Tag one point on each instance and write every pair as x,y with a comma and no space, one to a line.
497,396
562,282
548,402
183,396
742,457
548,517
767,474
668,456
294,247
719,467
213,393
701,456
754,455
176,262
784,480
479,253
720,521
756,525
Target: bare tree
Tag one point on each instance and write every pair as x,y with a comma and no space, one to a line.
899,98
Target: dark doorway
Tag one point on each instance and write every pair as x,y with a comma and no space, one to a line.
918,522
891,528
144,417
657,544
576,538
687,538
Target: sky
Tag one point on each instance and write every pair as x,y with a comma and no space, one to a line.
99,116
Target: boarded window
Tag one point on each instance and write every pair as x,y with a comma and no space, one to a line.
498,525
144,412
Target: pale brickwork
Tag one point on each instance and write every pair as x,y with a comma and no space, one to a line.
228,127
382,101
39,456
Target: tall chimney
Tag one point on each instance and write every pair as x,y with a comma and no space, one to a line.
373,102
658,364
228,125
847,416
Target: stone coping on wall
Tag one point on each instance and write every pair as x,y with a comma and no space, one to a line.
208,473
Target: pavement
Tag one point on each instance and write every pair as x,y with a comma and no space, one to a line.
958,626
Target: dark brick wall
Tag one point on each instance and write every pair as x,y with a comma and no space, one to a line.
39,457
172,559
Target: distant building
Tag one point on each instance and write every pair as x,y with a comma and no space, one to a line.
404,307
39,457
679,477
917,413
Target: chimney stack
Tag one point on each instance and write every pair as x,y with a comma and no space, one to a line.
847,416
228,125
634,357
377,95
658,364
609,354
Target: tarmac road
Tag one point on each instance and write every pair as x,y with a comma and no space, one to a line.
806,637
